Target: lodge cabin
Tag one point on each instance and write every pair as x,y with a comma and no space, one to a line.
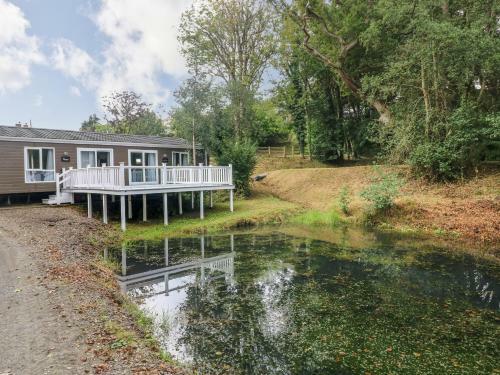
68,162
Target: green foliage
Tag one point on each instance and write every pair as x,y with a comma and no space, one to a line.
232,41
269,127
428,71
344,200
92,124
242,156
313,217
382,191
126,113
464,143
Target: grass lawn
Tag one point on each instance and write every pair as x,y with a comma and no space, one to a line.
258,209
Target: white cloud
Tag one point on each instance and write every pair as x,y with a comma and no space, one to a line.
18,50
75,91
74,62
143,46
38,100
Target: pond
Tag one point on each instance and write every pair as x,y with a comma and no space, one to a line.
280,302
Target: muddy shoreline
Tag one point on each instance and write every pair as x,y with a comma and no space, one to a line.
73,290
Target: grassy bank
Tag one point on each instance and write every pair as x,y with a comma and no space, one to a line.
467,209
256,210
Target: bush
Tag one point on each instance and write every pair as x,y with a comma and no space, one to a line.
468,139
382,192
242,155
344,200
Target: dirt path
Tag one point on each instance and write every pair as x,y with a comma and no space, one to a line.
61,311
37,337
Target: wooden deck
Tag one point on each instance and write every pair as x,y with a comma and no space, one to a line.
126,181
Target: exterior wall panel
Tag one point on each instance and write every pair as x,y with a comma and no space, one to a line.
12,162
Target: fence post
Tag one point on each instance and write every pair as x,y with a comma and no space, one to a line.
88,175
104,180
269,150
58,188
164,173
293,151
71,178
122,174
200,177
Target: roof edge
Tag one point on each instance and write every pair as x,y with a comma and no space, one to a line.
81,142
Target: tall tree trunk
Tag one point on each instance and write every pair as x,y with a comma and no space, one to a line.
427,104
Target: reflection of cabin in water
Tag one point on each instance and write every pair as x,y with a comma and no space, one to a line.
211,268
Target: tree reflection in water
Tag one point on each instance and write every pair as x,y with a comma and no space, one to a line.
278,304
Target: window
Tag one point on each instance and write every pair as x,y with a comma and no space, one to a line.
180,158
141,158
39,164
94,157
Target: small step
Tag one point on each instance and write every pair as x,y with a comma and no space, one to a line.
53,199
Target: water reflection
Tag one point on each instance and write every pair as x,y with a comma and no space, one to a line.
274,303
146,282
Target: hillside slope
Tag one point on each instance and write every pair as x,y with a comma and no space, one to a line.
470,209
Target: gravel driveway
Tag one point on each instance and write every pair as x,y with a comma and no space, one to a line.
57,301
36,336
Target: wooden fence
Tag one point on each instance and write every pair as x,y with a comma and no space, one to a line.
288,151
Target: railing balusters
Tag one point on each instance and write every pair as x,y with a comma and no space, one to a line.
113,177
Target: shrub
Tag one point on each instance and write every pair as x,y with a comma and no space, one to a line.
382,192
465,139
344,200
242,155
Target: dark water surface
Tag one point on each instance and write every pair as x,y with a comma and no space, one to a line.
276,303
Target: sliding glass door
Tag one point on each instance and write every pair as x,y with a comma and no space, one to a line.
143,159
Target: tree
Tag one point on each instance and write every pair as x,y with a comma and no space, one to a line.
91,124
232,40
322,114
332,33
430,70
127,113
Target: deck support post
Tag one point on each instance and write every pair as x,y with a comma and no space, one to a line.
89,205
124,260
165,209
123,218
180,203
231,200
129,198
166,252
192,200
202,213
211,199
144,208
8,200
72,201
105,208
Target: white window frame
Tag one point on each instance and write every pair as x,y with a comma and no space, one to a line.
181,152
130,151
26,164
96,150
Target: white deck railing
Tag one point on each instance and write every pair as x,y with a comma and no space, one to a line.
119,177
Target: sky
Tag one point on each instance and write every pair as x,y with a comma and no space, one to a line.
58,58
